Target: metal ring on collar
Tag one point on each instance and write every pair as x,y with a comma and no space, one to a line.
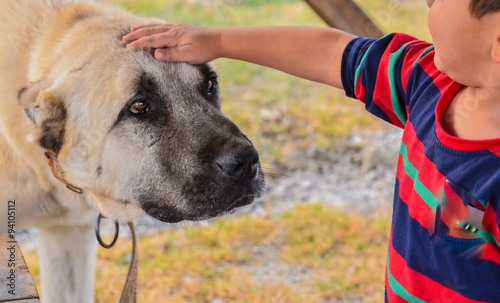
98,233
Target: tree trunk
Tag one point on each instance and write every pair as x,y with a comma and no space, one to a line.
347,16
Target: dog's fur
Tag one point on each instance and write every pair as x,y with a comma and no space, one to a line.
68,85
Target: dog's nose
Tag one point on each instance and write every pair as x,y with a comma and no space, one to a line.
239,165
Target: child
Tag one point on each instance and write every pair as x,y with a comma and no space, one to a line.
444,244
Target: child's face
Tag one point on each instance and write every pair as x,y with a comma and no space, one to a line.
462,43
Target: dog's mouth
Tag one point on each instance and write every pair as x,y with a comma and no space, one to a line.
163,215
244,200
169,215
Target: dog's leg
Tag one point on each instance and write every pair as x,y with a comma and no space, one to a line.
67,263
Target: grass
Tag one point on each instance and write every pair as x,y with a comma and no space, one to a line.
330,254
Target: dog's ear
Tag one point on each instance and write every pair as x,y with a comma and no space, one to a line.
47,112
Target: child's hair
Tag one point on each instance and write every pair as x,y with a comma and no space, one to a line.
480,8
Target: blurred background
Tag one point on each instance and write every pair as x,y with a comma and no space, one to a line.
320,233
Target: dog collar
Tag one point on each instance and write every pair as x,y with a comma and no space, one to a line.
58,172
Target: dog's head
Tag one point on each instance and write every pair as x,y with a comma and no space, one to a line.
139,135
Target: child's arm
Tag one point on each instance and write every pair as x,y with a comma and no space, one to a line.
313,53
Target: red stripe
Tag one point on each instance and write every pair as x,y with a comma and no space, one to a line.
391,296
411,57
360,90
382,90
419,285
417,208
439,79
381,97
491,251
495,151
432,178
490,220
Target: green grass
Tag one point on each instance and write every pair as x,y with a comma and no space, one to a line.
341,256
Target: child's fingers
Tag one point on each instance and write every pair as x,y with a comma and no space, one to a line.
154,41
145,31
175,54
136,27
165,54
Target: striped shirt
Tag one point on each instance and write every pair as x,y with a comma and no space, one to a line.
444,243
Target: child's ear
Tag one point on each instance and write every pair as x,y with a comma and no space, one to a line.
495,50
47,112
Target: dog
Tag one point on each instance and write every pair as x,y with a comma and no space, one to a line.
125,135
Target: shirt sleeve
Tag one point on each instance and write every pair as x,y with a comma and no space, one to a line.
377,73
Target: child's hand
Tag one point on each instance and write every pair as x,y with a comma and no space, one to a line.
177,43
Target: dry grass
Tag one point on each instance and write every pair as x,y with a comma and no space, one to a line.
309,253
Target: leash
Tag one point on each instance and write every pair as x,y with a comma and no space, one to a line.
129,292
58,172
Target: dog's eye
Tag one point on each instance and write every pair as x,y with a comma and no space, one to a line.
139,107
211,86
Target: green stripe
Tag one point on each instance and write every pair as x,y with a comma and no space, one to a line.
419,187
398,289
358,70
488,236
396,107
425,52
